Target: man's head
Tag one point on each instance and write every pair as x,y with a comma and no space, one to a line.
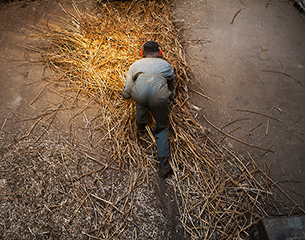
151,49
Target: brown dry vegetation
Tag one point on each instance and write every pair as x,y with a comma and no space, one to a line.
99,180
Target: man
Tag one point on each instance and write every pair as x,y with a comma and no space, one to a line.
151,83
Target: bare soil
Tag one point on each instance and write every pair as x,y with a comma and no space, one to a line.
43,176
248,56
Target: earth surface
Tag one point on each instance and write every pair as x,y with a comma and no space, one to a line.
247,57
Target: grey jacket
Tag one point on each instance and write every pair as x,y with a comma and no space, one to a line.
148,79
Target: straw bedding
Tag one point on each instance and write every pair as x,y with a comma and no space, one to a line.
219,194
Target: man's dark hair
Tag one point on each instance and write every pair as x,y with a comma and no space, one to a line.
151,49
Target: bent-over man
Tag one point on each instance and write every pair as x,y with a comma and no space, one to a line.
151,83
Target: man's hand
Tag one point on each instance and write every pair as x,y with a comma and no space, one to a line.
171,97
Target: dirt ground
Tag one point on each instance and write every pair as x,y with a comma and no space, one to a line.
39,199
248,56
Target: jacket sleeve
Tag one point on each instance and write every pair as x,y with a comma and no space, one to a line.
128,85
171,84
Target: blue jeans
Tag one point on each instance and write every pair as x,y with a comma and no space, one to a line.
159,108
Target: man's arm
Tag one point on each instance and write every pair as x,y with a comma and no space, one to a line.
171,84
128,85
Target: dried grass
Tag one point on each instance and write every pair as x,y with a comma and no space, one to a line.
219,194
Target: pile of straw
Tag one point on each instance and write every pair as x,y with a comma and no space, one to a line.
217,192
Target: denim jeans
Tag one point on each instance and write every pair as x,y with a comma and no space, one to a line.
159,108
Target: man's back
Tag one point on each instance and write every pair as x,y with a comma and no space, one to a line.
149,66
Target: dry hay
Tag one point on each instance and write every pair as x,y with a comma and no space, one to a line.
218,193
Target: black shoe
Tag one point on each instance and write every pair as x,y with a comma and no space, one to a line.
165,167
141,127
